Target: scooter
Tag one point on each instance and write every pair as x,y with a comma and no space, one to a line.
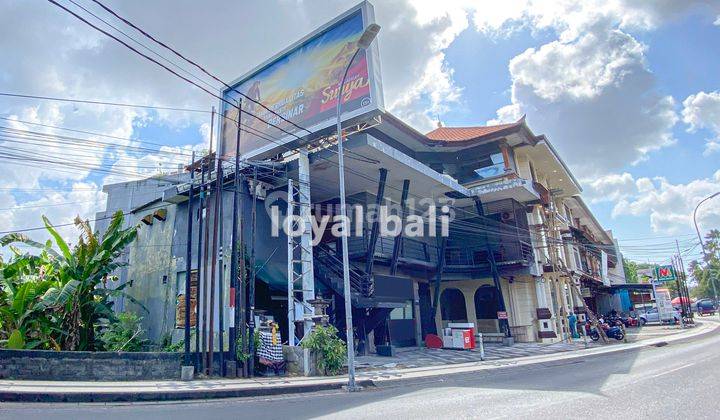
615,331
611,332
591,331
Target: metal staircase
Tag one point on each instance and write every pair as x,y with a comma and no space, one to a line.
329,271
369,311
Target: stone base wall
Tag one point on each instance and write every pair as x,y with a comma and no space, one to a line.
88,366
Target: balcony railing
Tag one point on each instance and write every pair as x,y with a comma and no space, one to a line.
421,253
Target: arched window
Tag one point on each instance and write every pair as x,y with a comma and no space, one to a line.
486,302
452,305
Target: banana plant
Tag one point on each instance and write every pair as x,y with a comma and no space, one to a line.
71,288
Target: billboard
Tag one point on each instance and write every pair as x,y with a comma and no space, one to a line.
665,273
300,84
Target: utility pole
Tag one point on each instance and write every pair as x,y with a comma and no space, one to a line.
680,293
253,275
221,269
216,219
681,265
188,263
207,350
200,351
235,289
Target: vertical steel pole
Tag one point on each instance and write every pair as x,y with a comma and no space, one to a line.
221,269
253,275
347,293
198,296
216,220
188,262
290,266
206,279
234,245
242,279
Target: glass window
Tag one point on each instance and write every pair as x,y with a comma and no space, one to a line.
406,312
494,166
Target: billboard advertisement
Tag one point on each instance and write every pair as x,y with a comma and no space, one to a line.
665,273
301,85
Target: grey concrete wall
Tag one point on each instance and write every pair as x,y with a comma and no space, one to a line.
157,259
88,366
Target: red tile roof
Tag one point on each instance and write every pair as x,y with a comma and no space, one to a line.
463,134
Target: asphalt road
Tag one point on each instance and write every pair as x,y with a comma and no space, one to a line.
674,381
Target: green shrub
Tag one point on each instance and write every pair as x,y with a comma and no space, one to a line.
330,350
166,344
241,355
125,334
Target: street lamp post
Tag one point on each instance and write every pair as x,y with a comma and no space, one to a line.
702,244
363,43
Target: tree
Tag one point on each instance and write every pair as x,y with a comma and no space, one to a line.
705,275
62,296
630,268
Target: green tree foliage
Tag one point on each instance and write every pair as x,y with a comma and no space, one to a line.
329,348
630,270
56,300
709,272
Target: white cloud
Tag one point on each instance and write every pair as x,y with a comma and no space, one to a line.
717,21
81,199
612,187
669,206
702,111
590,90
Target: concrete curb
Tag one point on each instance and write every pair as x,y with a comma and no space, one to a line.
224,389
168,395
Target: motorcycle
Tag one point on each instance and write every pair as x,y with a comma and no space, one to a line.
614,331
591,331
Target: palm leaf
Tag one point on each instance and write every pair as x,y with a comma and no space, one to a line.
12,238
58,240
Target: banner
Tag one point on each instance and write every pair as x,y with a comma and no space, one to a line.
301,85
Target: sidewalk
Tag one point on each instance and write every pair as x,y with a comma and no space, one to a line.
413,357
55,391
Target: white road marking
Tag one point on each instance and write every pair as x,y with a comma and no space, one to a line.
673,370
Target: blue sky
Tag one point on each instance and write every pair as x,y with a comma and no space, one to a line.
616,86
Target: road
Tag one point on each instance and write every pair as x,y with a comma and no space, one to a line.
655,382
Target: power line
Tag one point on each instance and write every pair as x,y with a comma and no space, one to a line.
85,101
177,53
92,133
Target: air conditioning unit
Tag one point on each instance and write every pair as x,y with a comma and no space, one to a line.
506,216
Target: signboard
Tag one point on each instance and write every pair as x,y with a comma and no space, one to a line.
502,315
665,273
586,292
301,85
663,302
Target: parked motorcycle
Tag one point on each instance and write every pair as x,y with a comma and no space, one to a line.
611,331
591,331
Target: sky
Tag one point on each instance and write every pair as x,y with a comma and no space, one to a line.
626,90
